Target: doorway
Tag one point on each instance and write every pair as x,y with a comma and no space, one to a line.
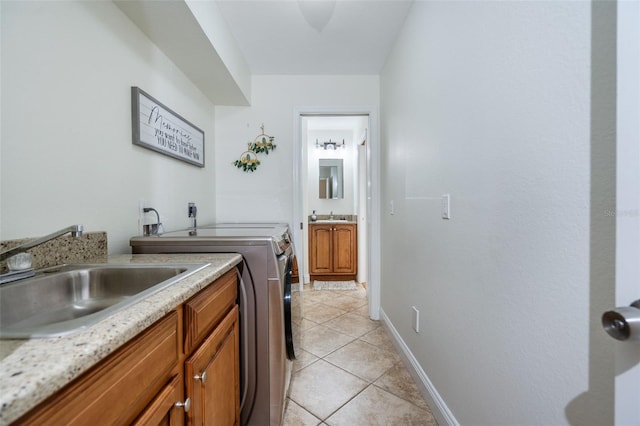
315,130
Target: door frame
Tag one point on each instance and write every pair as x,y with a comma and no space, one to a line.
373,196
627,355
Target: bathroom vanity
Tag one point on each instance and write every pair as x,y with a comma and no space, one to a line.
333,250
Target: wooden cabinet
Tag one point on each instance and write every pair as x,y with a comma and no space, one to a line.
212,375
333,251
213,381
117,389
149,379
207,308
295,274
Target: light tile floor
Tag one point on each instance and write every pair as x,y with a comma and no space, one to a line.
348,371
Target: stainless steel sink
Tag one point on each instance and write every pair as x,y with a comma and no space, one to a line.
68,298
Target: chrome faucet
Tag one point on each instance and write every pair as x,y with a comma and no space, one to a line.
331,215
76,231
152,228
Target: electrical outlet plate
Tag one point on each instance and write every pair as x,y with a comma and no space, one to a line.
416,319
446,206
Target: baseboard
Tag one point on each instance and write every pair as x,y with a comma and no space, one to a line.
438,407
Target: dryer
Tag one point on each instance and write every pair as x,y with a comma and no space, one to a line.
269,314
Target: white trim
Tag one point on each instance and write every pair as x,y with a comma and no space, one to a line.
438,407
373,227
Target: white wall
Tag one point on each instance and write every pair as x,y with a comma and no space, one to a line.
67,156
267,193
490,102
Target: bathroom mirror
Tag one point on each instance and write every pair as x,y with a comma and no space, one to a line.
331,179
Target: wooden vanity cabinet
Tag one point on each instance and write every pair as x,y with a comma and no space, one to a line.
333,251
149,379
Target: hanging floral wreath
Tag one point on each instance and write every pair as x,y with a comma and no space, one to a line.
248,161
262,144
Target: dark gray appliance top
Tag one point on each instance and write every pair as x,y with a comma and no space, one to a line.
222,234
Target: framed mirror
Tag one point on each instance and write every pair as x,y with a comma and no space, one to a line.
331,178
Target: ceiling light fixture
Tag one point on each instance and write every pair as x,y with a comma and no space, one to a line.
317,13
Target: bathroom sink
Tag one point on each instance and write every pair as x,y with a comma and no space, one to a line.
68,298
331,221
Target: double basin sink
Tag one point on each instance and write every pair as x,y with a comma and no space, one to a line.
68,298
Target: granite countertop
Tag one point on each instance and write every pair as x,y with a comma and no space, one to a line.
33,369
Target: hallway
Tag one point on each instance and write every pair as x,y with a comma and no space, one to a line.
348,371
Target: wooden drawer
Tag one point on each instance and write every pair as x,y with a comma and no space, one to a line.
206,309
119,387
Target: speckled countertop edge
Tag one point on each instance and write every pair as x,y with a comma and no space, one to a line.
32,370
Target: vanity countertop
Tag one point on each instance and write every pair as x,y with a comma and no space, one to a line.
332,222
33,369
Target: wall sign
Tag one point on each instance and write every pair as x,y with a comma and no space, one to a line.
158,128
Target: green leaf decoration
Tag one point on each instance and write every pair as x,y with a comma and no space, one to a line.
262,144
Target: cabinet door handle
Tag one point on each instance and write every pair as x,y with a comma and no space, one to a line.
202,377
186,405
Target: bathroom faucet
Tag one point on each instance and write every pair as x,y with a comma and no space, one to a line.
76,231
331,215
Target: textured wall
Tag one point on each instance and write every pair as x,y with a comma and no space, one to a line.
491,102
267,193
67,156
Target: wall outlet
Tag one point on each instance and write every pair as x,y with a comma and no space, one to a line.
392,207
416,319
446,206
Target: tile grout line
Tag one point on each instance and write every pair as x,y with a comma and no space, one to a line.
355,310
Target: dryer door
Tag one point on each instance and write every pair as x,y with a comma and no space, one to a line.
289,304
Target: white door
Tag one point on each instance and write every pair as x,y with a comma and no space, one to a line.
627,382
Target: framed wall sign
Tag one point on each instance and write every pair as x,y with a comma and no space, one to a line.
158,128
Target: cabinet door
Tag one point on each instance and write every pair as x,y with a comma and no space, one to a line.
320,249
212,377
344,249
162,411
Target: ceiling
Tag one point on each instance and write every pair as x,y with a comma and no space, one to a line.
315,36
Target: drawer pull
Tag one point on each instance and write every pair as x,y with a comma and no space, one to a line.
186,405
202,377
